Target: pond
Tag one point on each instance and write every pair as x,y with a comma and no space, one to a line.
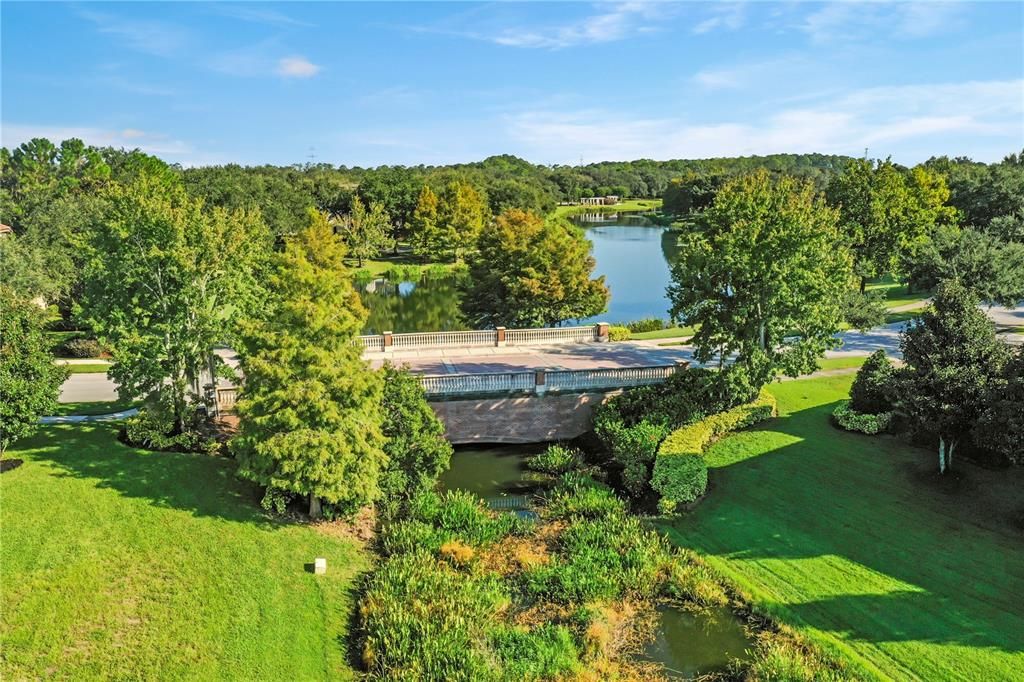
631,252
686,644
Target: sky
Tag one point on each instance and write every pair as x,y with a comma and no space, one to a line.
556,83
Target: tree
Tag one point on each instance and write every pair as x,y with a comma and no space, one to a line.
529,272
763,276
1001,427
989,267
691,193
883,214
416,448
461,215
365,231
165,281
952,358
423,228
29,380
310,408
871,392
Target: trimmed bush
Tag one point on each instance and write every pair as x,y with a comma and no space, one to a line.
680,472
849,419
633,447
557,459
871,390
617,333
81,348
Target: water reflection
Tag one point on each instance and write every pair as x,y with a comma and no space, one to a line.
631,252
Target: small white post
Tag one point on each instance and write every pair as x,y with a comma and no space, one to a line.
320,565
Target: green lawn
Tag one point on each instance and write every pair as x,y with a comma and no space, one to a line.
627,205
848,362
95,407
858,541
896,294
126,564
88,368
670,333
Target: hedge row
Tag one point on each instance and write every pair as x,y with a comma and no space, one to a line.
845,417
680,472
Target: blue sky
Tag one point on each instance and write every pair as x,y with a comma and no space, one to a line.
370,83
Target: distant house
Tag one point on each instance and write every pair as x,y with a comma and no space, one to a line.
609,200
5,230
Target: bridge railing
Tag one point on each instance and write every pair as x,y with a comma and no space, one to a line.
389,341
541,381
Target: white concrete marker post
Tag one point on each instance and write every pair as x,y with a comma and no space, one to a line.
320,565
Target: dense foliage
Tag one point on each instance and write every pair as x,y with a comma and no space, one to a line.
29,379
871,423
872,390
556,459
1001,427
310,417
763,276
952,360
415,445
531,272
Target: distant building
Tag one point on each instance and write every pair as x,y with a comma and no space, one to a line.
609,200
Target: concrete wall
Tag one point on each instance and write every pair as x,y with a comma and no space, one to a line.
520,419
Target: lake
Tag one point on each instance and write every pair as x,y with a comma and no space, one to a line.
630,251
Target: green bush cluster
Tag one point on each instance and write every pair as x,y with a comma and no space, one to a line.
633,448
580,496
680,473
872,390
463,515
81,348
153,429
557,459
648,324
617,333
845,417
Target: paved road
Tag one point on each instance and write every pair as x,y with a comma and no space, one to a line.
82,387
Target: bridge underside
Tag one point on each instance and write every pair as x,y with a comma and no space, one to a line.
519,419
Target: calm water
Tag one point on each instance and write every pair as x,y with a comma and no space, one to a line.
496,473
631,252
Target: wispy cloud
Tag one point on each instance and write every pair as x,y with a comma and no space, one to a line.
152,37
296,67
608,22
258,15
742,75
728,16
883,119
131,138
851,21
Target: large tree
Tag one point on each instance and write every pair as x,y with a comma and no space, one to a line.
763,276
29,380
416,448
951,359
310,408
165,280
1001,427
424,234
530,272
884,212
366,231
461,215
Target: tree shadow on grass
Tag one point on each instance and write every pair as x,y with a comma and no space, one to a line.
200,484
901,553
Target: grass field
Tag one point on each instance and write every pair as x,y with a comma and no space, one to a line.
845,362
88,368
670,333
859,542
95,407
126,564
627,205
896,294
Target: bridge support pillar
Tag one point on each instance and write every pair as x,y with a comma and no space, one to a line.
601,332
539,382
499,336
388,340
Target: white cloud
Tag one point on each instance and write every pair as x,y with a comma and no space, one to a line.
152,37
890,120
728,16
611,22
258,15
296,67
129,138
839,22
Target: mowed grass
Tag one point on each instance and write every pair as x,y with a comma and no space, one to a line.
95,407
125,564
897,294
88,367
627,205
856,540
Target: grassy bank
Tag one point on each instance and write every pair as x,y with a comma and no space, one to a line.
858,542
125,564
627,205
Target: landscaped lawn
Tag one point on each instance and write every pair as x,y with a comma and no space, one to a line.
125,564
88,367
844,362
858,541
669,333
627,205
94,407
897,294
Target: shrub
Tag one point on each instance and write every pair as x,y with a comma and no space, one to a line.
581,496
617,333
81,348
153,429
406,537
557,459
633,448
649,324
844,416
872,389
463,515
680,473
545,653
